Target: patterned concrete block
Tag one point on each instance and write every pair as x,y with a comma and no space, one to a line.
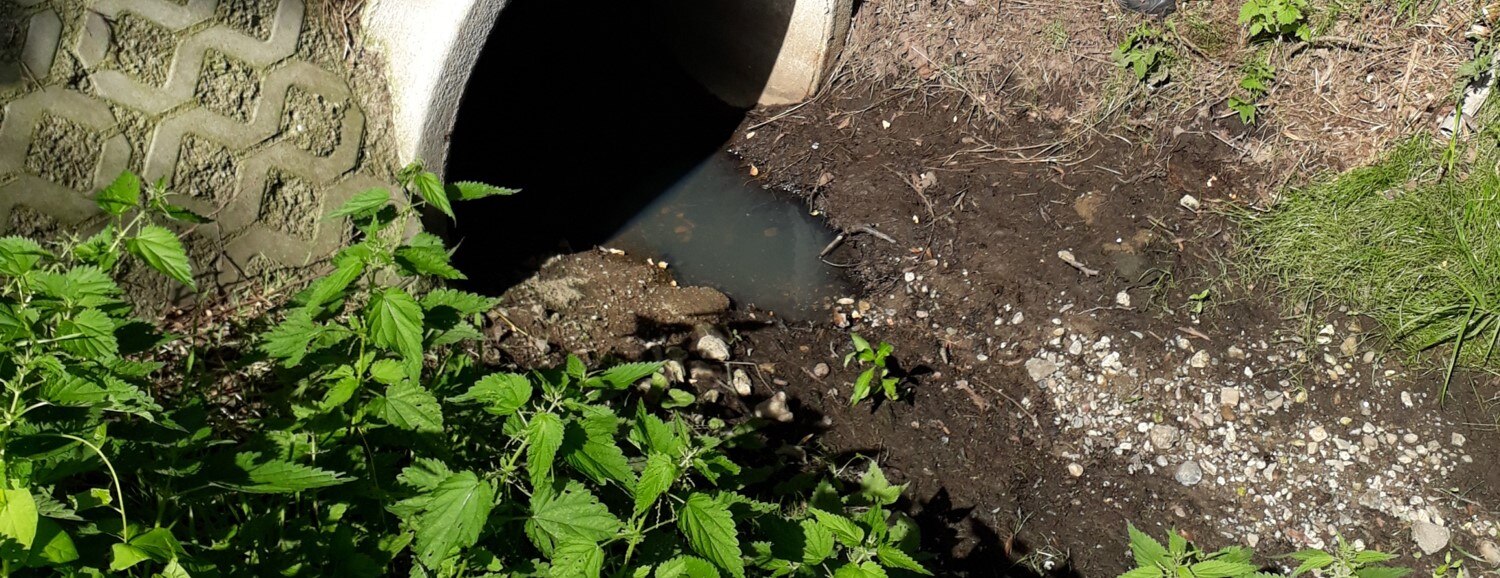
207,94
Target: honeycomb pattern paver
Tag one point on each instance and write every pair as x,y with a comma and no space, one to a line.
209,95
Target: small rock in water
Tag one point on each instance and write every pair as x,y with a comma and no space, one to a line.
1430,537
1040,368
712,347
1189,474
1075,470
741,382
820,370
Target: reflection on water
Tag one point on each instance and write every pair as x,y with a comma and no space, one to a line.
715,228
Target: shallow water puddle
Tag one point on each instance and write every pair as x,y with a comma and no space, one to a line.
715,228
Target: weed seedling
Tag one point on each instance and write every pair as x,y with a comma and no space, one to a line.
1347,561
878,372
1276,19
1181,559
1255,81
1145,55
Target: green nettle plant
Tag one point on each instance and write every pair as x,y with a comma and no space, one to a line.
1347,561
878,371
1146,55
1276,19
1255,81
376,444
1181,559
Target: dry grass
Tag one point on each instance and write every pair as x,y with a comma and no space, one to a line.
1372,77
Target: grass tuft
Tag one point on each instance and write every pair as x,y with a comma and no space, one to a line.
1413,246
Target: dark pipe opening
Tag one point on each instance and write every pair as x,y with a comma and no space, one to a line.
586,109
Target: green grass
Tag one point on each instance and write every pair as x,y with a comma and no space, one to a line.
1413,246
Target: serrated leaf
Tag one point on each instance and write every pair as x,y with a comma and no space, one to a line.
431,189
19,255
162,250
395,322
281,476
861,570
817,542
426,261
1145,572
471,191
92,335
625,375
1221,569
1382,572
893,557
874,487
501,393
710,531
653,435
577,559
387,372
333,286
289,340
411,407
182,214
593,453
658,475
847,532
362,204
544,437
573,514
452,517
465,304
687,567
121,195
1372,557
424,474
1147,551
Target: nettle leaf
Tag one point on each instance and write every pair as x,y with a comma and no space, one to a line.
577,559
452,516
1221,569
817,542
120,196
464,303
590,448
91,335
1148,552
1382,572
424,474
334,286
654,435
19,255
1146,572
471,191
501,393
573,514
162,250
281,476
860,570
893,557
411,407
544,437
431,189
710,531
847,532
657,477
395,322
387,372
875,488
625,375
426,259
687,567
362,205
290,340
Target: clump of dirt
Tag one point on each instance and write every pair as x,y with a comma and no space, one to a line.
64,151
205,171
143,49
253,17
599,304
291,205
228,86
312,122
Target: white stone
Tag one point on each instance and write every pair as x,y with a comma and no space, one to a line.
1430,537
1040,368
1122,299
1075,470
